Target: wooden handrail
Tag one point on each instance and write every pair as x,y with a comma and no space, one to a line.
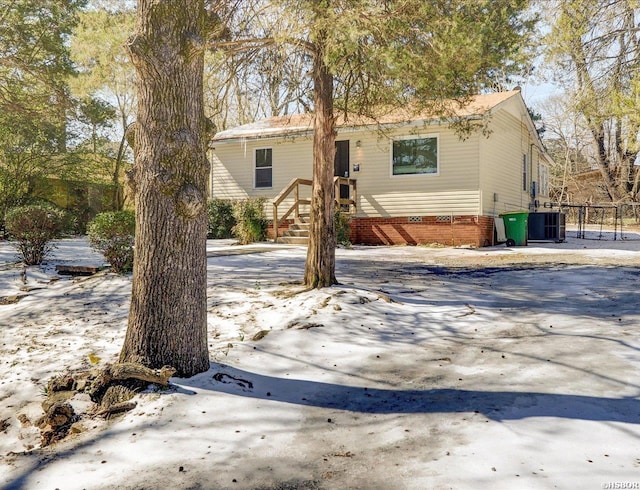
352,202
294,186
287,190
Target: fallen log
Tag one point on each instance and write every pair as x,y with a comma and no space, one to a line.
77,270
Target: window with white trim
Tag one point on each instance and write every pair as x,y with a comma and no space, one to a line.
525,172
414,156
264,168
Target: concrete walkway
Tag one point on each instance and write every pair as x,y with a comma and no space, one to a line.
218,248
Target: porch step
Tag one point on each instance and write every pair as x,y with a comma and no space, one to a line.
293,240
298,232
300,226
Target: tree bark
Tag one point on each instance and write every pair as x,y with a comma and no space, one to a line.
321,253
167,319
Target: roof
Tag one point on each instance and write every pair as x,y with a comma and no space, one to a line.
477,106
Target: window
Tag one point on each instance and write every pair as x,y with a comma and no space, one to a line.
415,156
264,168
544,181
525,173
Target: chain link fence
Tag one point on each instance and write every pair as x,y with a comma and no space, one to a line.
619,221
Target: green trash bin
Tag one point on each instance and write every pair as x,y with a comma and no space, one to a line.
516,227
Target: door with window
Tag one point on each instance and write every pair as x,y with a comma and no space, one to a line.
341,166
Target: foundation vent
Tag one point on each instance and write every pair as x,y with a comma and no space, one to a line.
443,219
414,219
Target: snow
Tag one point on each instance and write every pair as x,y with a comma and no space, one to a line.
426,368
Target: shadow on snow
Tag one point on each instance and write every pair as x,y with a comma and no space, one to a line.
495,405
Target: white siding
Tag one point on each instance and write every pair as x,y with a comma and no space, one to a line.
501,164
233,166
470,171
454,190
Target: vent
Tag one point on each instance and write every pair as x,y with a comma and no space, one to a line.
443,219
414,219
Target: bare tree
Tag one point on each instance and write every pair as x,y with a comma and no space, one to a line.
251,80
567,140
596,55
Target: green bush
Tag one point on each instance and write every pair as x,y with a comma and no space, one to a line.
342,224
112,234
251,223
220,219
33,227
78,219
70,224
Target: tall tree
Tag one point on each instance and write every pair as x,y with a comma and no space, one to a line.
105,71
34,57
367,56
97,115
167,320
566,138
251,82
595,52
34,70
320,265
378,56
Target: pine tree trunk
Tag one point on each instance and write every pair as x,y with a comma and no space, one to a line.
321,253
167,319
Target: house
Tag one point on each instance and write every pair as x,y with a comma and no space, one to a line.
405,181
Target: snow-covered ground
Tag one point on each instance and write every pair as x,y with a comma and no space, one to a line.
427,368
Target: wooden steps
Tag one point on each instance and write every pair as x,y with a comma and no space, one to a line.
298,232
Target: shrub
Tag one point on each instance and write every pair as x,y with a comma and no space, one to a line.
78,219
251,223
342,224
220,219
112,234
33,227
70,224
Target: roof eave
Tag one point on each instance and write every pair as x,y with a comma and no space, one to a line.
298,132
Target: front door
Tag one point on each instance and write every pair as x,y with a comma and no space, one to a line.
341,165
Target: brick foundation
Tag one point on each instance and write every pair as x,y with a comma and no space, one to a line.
284,226
476,231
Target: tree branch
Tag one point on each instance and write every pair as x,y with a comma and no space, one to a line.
243,45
